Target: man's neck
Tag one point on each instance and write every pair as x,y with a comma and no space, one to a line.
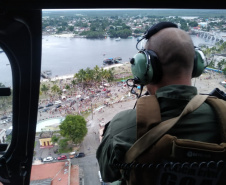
152,88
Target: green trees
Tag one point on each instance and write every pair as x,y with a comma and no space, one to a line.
93,34
123,33
221,64
193,24
55,89
94,75
63,144
71,28
74,128
224,71
44,88
80,76
54,139
184,25
67,87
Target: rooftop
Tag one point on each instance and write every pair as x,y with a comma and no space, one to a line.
46,135
57,173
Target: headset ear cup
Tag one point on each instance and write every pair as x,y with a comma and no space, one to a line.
139,69
199,64
156,66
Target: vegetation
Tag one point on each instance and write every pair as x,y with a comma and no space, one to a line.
63,145
224,71
74,128
90,76
221,64
93,34
114,23
44,88
54,139
55,89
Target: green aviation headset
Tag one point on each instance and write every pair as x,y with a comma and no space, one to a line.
146,67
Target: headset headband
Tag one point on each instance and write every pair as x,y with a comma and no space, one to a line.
157,27
154,29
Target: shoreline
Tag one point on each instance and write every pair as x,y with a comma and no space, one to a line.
70,76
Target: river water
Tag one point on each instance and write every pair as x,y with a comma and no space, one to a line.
68,55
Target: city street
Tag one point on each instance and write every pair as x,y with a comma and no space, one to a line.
88,165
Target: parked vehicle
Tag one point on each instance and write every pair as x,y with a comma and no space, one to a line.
4,117
79,155
45,110
3,122
40,107
57,102
71,156
72,153
49,105
58,106
70,99
48,159
62,157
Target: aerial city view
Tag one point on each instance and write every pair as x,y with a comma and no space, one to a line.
83,82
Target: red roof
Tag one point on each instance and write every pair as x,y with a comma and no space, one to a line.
57,171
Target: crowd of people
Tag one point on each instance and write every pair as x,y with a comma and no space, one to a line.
82,99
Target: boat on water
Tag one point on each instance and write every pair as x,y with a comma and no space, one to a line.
118,39
46,74
110,61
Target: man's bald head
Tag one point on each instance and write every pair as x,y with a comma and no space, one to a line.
175,50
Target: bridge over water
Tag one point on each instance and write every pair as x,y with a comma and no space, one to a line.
208,36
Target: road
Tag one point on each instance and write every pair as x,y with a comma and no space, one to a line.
89,168
91,142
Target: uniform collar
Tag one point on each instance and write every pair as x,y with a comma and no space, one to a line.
183,92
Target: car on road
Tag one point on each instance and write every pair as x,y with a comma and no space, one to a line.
48,159
45,110
40,107
79,155
62,157
57,102
58,106
49,105
70,99
72,153
4,117
3,122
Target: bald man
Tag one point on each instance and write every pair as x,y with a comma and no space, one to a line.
175,50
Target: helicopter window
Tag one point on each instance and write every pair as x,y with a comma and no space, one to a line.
6,99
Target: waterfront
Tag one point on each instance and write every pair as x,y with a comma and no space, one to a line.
67,55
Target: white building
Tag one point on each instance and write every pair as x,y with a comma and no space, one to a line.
203,24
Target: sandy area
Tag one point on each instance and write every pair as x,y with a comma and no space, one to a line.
65,35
